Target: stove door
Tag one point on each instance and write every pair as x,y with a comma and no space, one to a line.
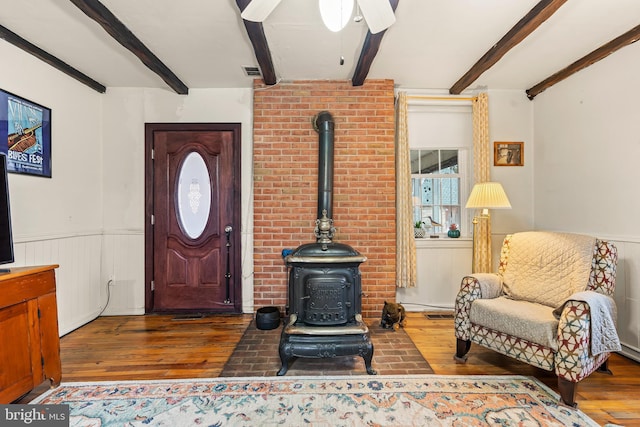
328,299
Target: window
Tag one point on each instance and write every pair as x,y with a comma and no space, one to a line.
436,187
441,149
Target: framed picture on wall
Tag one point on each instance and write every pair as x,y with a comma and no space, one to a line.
508,153
25,135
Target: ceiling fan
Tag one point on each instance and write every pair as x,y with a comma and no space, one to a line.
378,13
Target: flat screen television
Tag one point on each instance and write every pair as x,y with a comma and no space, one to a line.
6,239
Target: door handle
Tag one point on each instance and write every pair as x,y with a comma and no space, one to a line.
227,230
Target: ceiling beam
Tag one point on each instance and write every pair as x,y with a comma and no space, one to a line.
34,50
532,20
368,54
255,31
602,52
112,25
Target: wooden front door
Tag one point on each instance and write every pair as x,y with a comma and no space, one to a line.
193,218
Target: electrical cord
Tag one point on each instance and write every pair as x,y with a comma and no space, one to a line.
108,297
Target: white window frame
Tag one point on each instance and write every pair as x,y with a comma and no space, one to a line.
424,105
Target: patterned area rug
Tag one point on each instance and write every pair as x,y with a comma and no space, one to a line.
396,400
256,355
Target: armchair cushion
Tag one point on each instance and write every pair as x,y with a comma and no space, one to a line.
531,321
547,268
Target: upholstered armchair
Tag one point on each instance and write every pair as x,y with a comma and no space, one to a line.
550,305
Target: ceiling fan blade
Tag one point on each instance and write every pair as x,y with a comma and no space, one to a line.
258,10
378,14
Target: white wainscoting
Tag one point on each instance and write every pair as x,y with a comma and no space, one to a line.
123,271
78,275
94,267
442,263
627,296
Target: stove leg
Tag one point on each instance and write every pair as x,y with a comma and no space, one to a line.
283,370
368,357
285,361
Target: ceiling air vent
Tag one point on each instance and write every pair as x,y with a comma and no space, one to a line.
251,71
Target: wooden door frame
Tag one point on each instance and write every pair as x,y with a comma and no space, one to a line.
149,130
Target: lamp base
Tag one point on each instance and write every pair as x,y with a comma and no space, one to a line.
475,268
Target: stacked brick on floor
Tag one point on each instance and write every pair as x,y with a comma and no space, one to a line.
257,355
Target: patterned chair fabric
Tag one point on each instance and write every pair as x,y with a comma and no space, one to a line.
561,345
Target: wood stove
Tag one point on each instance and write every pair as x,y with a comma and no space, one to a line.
325,289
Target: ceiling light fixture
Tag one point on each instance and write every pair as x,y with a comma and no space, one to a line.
335,13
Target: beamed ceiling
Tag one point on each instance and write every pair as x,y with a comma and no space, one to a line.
456,45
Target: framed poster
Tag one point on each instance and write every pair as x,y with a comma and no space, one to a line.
25,135
508,153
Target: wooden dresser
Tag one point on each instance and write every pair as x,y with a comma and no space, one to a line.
29,340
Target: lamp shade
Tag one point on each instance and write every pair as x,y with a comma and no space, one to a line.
488,195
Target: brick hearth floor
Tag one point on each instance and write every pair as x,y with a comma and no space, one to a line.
257,355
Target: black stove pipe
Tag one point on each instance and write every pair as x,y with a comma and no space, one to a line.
324,125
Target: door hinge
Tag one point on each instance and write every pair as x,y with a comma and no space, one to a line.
153,219
153,154
153,285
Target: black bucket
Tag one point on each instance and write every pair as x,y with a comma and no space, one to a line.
267,318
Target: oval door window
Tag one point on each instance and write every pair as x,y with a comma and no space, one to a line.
194,195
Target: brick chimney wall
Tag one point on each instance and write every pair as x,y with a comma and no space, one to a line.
286,181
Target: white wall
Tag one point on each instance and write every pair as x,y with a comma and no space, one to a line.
511,119
126,110
587,133
76,134
58,220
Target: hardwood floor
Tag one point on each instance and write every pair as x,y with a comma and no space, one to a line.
153,347
606,399
150,347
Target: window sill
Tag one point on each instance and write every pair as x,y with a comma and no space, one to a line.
444,242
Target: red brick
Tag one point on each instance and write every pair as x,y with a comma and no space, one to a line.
285,180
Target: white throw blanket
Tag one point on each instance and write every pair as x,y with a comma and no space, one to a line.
604,337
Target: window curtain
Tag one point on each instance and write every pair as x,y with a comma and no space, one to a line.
481,173
406,270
